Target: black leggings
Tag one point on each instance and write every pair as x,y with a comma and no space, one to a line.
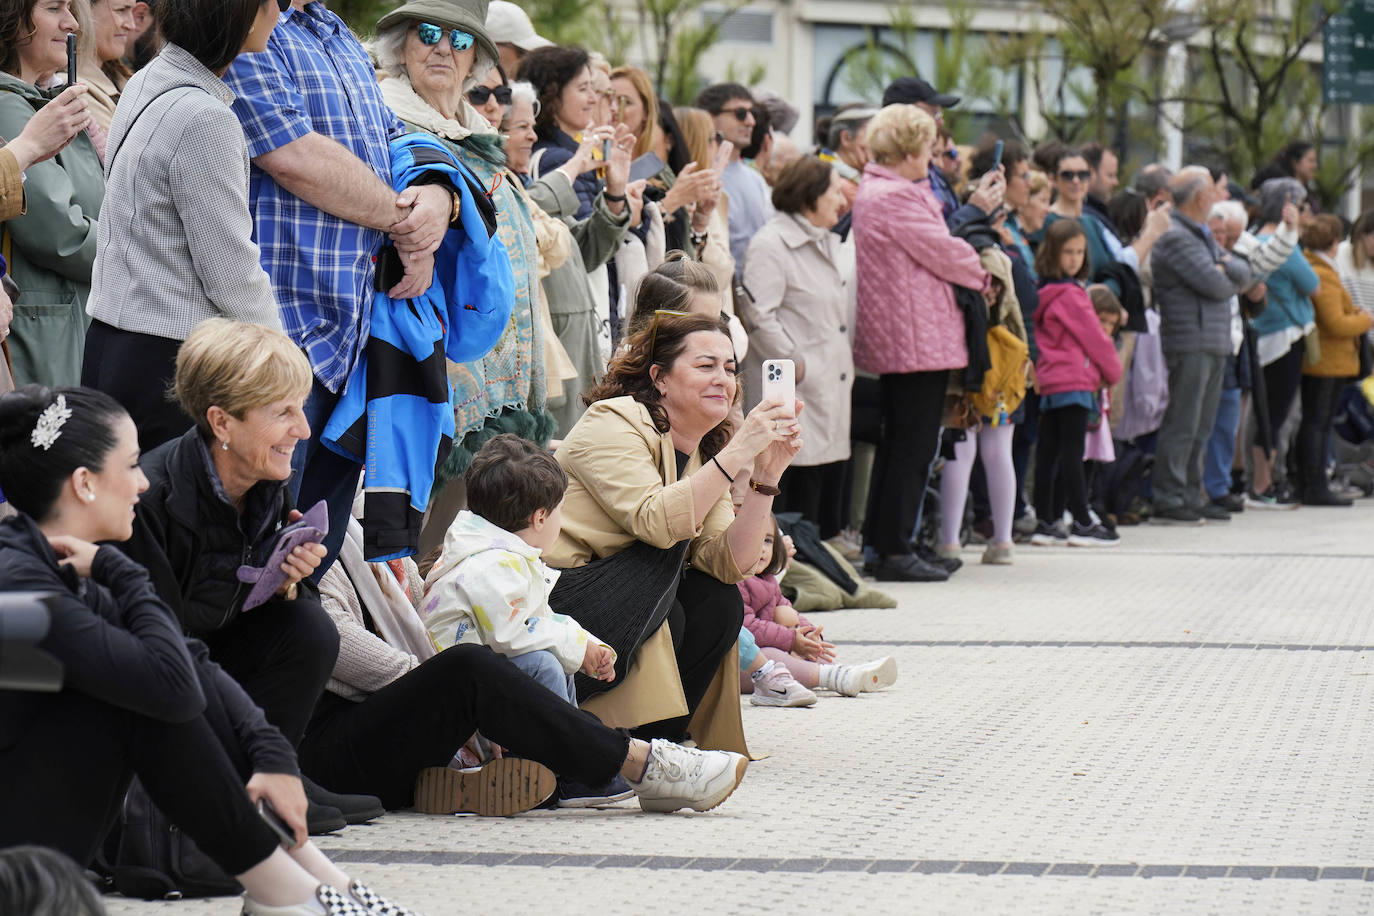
282,654
1059,463
704,621
817,492
912,406
1282,379
420,720
67,775
1320,398
136,370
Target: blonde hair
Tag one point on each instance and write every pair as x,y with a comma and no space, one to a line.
237,366
697,129
1037,181
645,90
898,131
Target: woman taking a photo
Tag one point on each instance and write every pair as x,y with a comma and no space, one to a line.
51,248
138,699
177,243
651,462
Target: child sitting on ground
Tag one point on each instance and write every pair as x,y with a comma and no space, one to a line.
489,586
788,639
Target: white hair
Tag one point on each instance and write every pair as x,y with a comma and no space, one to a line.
1230,211
389,48
523,91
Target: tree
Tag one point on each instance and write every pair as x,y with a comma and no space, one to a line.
362,15
678,45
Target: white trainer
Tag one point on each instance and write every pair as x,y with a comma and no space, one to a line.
779,688
682,777
851,680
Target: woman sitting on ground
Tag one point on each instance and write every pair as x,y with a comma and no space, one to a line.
651,462
139,699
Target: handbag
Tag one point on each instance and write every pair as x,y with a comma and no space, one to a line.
157,861
1366,358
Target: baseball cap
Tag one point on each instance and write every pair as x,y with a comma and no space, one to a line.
509,24
908,90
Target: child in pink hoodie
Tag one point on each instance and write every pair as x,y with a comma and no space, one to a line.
1076,360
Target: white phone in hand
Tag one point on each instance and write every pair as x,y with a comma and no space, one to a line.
780,383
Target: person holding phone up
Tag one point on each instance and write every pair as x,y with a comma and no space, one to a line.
801,313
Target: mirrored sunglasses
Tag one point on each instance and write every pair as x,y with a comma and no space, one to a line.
430,34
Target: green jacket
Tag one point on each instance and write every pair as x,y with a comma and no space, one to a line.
51,248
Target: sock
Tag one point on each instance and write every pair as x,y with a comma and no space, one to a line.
762,672
313,903
828,676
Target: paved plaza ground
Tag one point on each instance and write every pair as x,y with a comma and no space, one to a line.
1183,724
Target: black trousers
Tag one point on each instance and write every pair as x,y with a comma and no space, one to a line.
281,653
817,492
137,370
704,621
420,720
66,773
1059,472
912,404
1023,442
1320,397
1282,379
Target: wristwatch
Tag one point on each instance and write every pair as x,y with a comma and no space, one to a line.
763,489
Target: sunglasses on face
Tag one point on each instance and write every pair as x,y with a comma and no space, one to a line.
951,154
742,113
283,5
478,95
430,34
1070,175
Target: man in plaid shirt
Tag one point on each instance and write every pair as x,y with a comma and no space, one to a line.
323,206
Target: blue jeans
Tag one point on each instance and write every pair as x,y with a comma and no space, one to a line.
544,667
320,474
1221,446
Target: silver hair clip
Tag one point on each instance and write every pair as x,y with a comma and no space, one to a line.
49,426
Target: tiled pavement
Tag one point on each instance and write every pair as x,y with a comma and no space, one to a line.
1183,724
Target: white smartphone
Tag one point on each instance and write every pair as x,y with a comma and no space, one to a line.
780,383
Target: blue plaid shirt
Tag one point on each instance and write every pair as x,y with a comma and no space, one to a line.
314,76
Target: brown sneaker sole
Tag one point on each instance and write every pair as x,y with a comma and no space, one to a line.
499,789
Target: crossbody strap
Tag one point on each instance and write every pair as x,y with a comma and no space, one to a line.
169,97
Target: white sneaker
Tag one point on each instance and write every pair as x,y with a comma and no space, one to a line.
334,904
779,688
681,777
851,680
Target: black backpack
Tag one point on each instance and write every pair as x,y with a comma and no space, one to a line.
156,861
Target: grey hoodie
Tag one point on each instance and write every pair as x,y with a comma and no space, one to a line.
176,245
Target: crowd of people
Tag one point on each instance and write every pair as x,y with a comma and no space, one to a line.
388,419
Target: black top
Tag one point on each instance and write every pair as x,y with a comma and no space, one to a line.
121,645
682,459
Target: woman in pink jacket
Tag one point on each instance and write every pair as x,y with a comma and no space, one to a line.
908,328
1076,359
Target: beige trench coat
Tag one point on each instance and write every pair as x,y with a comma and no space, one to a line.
801,312
622,487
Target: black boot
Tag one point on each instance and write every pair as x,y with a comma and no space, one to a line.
1319,494
354,809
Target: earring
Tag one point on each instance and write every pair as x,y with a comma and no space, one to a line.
90,497
224,446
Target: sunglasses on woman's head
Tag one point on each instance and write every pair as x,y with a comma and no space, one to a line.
1080,175
653,335
431,34
478,95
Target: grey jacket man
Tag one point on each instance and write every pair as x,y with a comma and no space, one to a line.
1194,296
176,245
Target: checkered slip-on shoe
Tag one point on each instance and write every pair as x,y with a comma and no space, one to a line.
376,904
499,788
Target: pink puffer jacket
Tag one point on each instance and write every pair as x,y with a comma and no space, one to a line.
1075,353
907,318
762,595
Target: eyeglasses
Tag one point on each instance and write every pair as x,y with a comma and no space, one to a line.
478,95
430,34
742,113
653,334
1080,175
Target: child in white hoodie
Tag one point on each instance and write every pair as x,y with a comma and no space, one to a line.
489,585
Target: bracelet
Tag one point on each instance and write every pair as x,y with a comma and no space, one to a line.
763,489
613,198
699,239
722,469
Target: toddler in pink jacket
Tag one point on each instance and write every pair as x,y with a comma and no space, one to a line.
787,638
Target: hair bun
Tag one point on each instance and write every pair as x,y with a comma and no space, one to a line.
19,412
